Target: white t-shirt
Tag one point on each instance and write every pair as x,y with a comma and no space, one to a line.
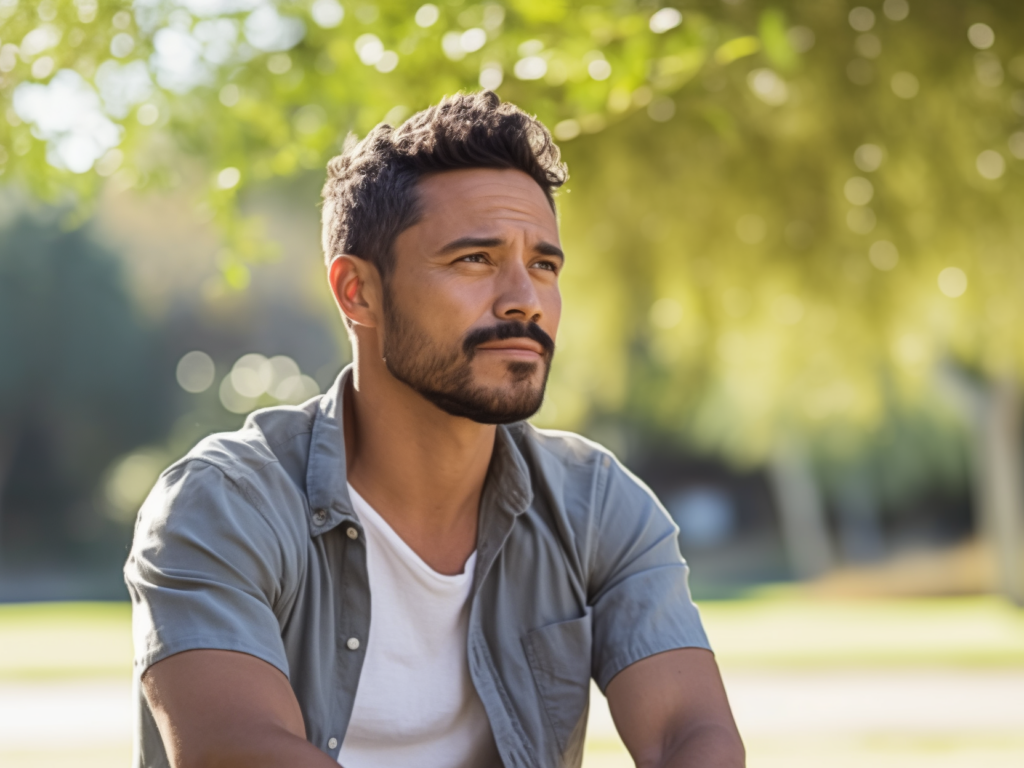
416,704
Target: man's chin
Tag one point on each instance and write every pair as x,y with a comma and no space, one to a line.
501,405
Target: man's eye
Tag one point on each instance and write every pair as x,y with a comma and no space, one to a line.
476,258
549,265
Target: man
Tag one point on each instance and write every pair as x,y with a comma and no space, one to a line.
404,572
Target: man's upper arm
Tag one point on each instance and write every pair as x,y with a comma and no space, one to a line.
638,590
205,571
671,710
207,574
227,709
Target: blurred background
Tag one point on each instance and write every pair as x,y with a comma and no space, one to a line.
793,301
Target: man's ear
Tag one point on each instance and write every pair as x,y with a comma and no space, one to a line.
356,286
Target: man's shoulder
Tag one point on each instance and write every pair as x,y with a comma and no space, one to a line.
264,461
581,466
277,437
575,466
231,480
565,448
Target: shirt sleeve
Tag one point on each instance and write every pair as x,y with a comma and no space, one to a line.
640,598
205,570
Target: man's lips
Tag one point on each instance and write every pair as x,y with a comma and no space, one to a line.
517,345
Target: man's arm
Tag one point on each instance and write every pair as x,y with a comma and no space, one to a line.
672,712
226,709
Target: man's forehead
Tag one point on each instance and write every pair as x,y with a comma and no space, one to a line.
484,193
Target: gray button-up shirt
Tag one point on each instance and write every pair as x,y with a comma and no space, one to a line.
250,544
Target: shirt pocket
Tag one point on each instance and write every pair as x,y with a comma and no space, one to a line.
559,657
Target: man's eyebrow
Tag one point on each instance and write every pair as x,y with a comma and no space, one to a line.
471,242
549,249
543,248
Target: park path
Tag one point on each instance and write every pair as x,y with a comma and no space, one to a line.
54,715
771,707
865,702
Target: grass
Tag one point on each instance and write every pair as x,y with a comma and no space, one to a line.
65,640
773,629
780,629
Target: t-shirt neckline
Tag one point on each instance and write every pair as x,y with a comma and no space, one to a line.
370,516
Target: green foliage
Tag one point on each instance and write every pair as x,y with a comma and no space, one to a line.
764,194
742,291
270,107
79,383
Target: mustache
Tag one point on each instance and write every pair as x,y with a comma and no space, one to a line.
511,329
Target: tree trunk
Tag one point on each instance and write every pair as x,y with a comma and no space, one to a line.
860,519
999,486
801,512
997,469
7,443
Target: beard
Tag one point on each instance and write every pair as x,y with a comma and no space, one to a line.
444,376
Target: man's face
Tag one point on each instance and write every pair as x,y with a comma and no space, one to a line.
472,303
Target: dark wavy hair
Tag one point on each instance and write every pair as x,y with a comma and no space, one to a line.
370,193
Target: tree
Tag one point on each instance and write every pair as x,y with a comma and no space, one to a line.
784,217
77,378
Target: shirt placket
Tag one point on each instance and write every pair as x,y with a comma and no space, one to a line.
498,514
351,627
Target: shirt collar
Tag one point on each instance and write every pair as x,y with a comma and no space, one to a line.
507,486
326,476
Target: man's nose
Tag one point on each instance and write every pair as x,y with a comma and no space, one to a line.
517,297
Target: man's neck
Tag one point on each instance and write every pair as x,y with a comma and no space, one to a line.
422,469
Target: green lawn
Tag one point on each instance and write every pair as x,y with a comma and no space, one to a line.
65,640
775,630
780,629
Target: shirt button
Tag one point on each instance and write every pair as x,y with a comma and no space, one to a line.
352,643
352,532
319,517
332,743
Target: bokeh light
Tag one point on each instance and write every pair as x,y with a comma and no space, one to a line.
666,313
327,13
530,68
228,178
981,36
990,164
905,85
491,75
868,157
858,190
897,10
664,20
252,375
130,480
862,18
473,39
255,380
662,109
67,113
296,389
195,371
884,255
766,85
427,15
952,282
